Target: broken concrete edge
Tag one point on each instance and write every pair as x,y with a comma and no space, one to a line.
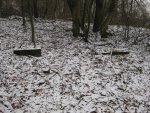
29,51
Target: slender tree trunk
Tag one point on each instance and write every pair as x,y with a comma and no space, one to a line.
30,2
55,9
84,14
76,19
64,8
23,13
36,15
98,15
0,3
70,4
46,8
86,33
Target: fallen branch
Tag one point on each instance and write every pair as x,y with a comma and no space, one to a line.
25,52
116,52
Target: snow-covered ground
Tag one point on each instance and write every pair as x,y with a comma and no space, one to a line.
73,76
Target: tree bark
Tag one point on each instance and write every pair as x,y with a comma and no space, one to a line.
31,21
103,15
36,15
75,9
98,15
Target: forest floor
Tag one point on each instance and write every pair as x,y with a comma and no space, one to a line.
73,76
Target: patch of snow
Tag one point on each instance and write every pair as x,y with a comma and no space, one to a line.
72,76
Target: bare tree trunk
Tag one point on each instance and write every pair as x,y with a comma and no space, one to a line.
108,18
23,12
103,15
125,19
98,15
75,9
86,30
84,14
46,8
30,2
36,15
0,3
